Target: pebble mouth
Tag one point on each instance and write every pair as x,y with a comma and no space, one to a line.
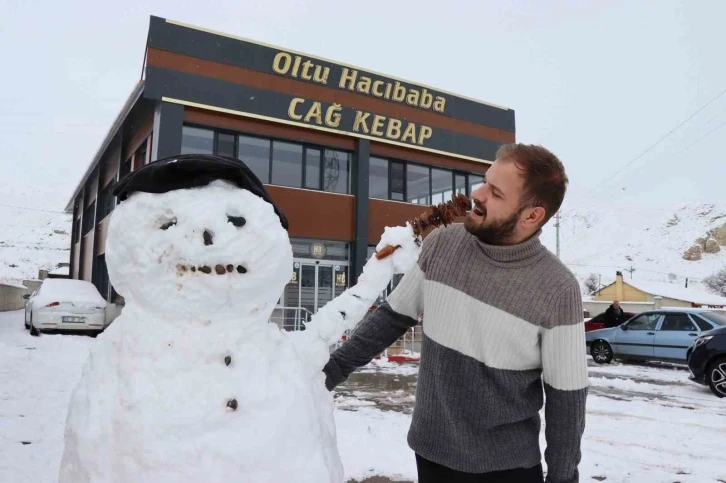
218,269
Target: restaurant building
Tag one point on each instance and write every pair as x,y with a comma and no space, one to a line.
343,150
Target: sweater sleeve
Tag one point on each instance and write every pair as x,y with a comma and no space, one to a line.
385,325
564,364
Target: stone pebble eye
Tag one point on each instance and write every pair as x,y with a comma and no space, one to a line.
238,221
168,224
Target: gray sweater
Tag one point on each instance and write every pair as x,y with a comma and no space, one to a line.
501,323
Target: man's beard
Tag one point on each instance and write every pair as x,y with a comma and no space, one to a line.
496,232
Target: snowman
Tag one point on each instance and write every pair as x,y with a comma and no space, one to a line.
192,383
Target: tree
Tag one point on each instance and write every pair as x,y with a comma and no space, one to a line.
592,283
716,283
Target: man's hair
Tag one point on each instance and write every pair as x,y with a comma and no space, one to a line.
545,181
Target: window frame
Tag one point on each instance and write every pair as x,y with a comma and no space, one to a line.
271,139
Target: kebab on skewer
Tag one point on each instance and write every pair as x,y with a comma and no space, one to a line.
442,214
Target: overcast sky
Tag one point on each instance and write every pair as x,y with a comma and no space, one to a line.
597,84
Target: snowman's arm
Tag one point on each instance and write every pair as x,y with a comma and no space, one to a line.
346,310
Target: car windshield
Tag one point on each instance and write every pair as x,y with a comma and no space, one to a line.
714,317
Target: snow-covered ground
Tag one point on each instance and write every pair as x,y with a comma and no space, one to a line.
645,423
34,235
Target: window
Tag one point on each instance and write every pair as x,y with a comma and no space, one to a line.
678,322
702,324
476,181
460,184
312,168
714,317
197,141
226,144
287,162
125,168
644,322
417,184
441,185
274,161
77,235
255,153
378,178
105,201
89,217
335,171
398,181
141,153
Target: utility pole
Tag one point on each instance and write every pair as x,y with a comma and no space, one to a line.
631,270
557,231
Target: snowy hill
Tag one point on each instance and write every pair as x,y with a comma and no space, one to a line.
32,239
652,241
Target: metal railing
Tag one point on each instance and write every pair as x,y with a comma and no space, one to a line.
291,318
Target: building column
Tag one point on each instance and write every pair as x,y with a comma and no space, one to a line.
168,122
359,185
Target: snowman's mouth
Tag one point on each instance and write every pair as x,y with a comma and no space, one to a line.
218,269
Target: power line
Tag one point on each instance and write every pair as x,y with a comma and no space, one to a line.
695,142
654,144
32,209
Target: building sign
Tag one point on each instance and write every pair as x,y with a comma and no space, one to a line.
363,122
347,78
317,250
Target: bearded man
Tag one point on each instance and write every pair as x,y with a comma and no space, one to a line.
502,328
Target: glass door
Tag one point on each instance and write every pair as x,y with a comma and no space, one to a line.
320,283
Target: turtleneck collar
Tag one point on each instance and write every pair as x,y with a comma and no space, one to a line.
521,253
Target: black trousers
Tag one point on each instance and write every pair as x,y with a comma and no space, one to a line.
430,472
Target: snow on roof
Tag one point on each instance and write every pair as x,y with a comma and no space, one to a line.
678,292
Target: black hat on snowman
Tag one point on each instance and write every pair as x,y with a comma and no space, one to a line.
191,171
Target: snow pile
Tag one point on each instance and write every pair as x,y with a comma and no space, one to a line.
191,383
77,292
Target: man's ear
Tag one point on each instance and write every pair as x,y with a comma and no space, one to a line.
533,217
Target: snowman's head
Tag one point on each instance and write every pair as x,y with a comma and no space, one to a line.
188,241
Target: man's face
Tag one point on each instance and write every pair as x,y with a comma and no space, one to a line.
616,304
497,211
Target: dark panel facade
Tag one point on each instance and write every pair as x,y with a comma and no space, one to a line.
252,78
165,83
172,37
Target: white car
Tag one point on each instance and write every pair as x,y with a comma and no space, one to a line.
65,304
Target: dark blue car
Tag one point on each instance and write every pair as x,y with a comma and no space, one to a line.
707,360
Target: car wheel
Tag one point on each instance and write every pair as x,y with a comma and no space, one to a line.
601,352
716,376
27,325
33,331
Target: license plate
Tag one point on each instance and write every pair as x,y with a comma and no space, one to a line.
73,320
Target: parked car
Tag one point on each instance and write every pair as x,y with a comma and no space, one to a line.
598,322
658,335
65,304
707,359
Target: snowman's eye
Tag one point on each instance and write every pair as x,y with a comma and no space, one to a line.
238,221
168,224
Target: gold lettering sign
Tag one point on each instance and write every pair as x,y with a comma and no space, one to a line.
315,112
298,67
340,280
